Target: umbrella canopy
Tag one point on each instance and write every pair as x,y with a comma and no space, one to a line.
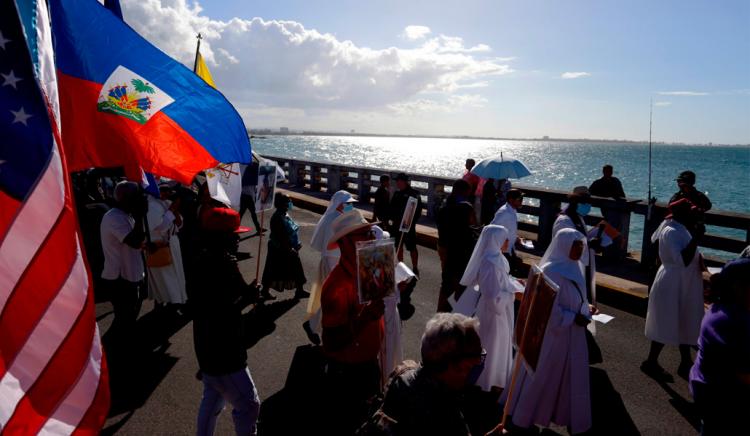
501,168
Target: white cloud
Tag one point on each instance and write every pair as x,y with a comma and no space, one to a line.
282,64
451,104
662,103
574,74
413,33
683,93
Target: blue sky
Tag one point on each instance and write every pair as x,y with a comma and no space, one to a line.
504,79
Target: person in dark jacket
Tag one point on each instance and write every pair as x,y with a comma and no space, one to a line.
455,222
686,183
382,208
490,201
398,207
217,328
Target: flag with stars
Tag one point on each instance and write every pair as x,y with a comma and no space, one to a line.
53,377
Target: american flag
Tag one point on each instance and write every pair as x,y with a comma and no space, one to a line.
53,377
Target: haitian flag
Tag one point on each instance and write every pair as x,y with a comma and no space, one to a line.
123,102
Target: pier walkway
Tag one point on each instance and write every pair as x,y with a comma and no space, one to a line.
164,396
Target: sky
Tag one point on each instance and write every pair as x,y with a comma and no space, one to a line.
519,69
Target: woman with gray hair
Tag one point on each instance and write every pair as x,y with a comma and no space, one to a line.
425,399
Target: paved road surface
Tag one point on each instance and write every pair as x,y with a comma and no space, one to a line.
164,401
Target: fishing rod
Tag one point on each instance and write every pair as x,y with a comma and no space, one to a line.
651,200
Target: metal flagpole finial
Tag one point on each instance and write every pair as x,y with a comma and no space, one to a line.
199,36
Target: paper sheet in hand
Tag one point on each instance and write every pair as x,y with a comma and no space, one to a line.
527,244
602,318
404,273
714,270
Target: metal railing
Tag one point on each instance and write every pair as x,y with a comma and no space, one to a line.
362,182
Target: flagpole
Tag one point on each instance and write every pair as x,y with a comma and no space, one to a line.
197,52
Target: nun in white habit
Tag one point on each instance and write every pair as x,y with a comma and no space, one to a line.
340,202
489,270
558,391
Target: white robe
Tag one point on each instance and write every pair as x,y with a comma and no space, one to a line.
495,315
588,259
675,304
507,217
166,284
558,392
391,351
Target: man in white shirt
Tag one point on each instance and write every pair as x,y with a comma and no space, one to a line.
123,238
507,216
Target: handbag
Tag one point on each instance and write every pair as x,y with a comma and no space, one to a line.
159,258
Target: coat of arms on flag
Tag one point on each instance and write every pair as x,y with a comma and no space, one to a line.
127,94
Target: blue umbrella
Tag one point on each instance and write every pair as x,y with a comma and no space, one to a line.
499,168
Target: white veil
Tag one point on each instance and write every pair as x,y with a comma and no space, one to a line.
488,247
557,257
321,234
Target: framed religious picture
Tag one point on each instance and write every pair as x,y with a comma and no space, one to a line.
266,188
408,218
376,270
533,317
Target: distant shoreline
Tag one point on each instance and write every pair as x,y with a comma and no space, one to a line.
267,132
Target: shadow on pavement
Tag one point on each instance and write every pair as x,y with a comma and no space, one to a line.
136,371
261,320
295,409
610,417
683,406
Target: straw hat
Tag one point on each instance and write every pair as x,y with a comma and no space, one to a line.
346,223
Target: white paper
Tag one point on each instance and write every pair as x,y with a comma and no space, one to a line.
404,273
602,318
408,218
714,270
225,184
527,244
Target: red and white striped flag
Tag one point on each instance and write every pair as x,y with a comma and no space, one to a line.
53,377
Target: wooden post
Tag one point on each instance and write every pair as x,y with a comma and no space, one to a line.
260,245
548,210
648,249
294,176
334,180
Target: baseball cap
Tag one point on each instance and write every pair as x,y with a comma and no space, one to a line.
687,177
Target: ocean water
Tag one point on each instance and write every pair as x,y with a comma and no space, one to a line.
723,172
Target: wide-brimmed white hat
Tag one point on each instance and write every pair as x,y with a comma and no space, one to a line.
348,222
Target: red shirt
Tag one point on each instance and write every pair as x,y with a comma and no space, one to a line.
473,180
339,302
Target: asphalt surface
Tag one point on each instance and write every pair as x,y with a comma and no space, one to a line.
161,394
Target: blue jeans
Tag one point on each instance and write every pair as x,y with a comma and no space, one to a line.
238,390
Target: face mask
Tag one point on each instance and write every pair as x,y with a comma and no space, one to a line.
289,206
583,209
474,374
348,207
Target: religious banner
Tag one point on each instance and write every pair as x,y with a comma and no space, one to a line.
266,187
376,270
225,184
533,317
408,218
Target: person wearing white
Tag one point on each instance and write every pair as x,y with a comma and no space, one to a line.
123,237
675,303
507,217
558,391
166,284
340,202
392,353
489,270
572,218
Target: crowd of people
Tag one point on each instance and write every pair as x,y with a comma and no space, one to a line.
153,242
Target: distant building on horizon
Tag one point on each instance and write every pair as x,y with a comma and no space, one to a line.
545,137
284,130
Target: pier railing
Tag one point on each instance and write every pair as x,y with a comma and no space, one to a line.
543,210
